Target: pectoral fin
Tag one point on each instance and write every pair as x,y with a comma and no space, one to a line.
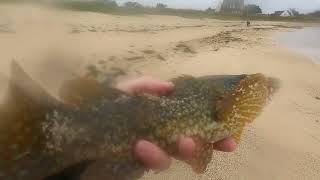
202,157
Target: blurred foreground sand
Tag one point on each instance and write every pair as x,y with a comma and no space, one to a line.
282,144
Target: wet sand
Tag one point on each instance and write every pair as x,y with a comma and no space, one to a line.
284,141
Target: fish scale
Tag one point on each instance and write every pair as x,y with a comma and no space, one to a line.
90,133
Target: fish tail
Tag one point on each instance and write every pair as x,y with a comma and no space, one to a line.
245,102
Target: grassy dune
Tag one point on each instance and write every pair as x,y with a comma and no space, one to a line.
187,13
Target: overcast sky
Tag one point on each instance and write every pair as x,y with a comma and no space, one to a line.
266,5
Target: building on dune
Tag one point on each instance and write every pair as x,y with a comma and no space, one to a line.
231,6
286,13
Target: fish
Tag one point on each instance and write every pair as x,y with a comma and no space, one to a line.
89,131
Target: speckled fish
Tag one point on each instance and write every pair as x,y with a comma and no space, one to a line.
89,132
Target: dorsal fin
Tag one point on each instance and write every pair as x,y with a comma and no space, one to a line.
82,91
79,91
185,86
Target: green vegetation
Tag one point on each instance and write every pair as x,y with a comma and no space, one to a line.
316,13
129,8
87,6
18,1
160,5
134,8
252,12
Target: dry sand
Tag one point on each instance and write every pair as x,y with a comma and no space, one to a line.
282,144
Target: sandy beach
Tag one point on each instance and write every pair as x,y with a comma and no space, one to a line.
282,144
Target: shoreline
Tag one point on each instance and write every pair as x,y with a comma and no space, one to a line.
303,41
283,143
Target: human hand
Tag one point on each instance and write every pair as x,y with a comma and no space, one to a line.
151,155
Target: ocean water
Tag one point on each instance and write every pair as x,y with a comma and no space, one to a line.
306,41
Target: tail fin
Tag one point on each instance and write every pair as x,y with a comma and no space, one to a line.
244,98
25,107
246,101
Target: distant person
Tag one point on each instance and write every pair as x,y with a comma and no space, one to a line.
248,23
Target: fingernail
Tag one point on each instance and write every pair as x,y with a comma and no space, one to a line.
233,145
230,145
170,84
227,145
169,87
186,147
152,156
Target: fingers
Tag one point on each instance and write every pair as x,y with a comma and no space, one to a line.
152,156
186,148
226,145
147,85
